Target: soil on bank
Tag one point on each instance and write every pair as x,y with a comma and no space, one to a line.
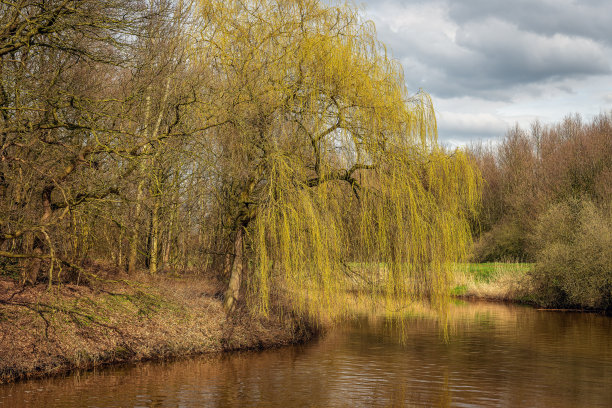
49,331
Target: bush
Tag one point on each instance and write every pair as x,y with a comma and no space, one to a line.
574,256
505,241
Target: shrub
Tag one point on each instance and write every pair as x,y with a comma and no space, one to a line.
506,240
574,256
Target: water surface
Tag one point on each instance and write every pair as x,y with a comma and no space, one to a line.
497,356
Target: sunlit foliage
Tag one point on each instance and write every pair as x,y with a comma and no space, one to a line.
334,169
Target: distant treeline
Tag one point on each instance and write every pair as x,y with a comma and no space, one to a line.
547,198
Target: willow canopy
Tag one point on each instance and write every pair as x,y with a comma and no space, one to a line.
332,170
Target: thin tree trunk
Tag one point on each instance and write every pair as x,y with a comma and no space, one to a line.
154,237
140,190
170,233
166,245
233,290
132,257
133,254
185,237
120,254
33,266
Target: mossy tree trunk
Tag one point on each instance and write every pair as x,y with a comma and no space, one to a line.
232,293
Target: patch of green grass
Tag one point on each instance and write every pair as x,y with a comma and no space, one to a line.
482,272
142,303
487,272
459,290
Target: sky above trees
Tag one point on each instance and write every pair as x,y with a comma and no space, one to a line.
489,64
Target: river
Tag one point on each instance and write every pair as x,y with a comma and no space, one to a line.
496,355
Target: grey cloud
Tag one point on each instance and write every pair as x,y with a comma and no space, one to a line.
490,55
508,59
512,55
585,18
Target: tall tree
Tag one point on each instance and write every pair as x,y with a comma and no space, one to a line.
325,158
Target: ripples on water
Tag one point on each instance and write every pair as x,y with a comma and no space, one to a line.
497,355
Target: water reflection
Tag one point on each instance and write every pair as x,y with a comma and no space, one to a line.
497,355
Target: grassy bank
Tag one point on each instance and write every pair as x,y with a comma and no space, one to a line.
507,281
48,331
522,283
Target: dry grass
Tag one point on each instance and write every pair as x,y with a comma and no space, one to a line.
46,332
492,281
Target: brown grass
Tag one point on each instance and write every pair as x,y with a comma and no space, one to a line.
499,281
45,332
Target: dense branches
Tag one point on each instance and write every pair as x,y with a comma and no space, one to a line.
69,99
272,143
530,171
548,199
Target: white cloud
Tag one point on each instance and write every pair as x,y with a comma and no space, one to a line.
460,128
478,124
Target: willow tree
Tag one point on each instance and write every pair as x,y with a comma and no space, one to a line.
330,168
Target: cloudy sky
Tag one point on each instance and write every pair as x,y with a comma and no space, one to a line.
489,64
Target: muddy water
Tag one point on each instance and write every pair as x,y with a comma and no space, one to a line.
497,356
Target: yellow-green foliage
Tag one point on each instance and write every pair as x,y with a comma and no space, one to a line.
338,162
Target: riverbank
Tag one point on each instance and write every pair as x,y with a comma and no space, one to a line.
494,281
507,282
45,331
496,355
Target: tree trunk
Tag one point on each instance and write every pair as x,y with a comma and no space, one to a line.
167,246
120,254
133,254
154,237
33,265
32,268
227,265
170,233
143,164
233,290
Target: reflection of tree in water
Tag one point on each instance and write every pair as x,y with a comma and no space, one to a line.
496,354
